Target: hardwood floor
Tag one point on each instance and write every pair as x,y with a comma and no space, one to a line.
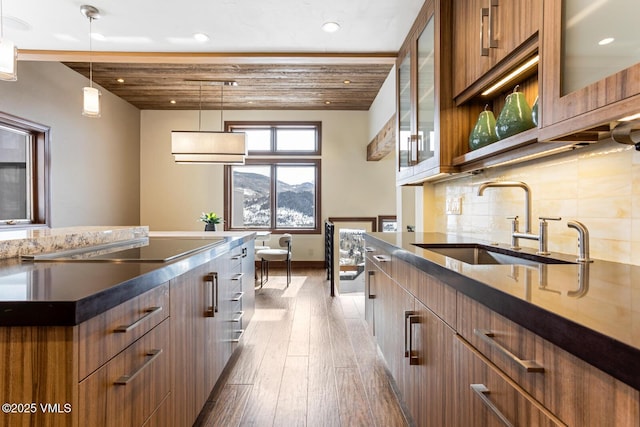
307,360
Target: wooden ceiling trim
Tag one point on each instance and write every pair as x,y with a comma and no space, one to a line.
210,57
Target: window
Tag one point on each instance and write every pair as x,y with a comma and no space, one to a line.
280,138
24,179
280,192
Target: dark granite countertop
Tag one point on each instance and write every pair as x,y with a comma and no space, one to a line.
69,293
590,310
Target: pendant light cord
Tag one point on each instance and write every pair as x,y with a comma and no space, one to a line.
200,110
90,54
221,107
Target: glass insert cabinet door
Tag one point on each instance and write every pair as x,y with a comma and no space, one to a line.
591,56
426,88
404,113
416,101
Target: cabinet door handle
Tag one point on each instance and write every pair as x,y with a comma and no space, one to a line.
369,294
482,392
382,258
413,149
493,43
236,257
238,296
484,12
244,252
527,365
240,333
126,379
237,276
149,312
238,318
213,279
410,317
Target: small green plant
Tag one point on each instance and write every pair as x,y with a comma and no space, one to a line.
210,218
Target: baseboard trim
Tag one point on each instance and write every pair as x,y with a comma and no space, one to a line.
294,264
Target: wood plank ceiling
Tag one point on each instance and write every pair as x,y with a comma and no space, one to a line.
261,86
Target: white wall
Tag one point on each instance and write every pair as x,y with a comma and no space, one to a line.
94,162
173,196
384,105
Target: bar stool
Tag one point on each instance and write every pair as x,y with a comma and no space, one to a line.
267,255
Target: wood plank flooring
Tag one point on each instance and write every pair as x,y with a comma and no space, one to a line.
307,360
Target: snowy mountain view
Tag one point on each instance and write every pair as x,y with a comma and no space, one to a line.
295,202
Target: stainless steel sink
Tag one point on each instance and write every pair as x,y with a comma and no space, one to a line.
472,253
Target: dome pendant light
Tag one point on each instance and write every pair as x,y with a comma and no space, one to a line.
8,55
91,95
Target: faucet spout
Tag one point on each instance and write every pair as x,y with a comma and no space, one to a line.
527,197
583,241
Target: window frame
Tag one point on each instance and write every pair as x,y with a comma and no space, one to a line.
40,172
274,163
273,127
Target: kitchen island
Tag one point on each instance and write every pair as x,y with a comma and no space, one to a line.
581,321
113,341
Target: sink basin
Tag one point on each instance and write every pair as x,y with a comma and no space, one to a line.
472,253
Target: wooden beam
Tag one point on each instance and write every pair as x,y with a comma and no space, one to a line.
384,142
209,57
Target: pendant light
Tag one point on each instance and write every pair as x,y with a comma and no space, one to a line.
8,55
90,95
200,146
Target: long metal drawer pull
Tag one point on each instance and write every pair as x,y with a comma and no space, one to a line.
527,365
240,333
149,312
382,258
493,43
484,51
482,391
369,294
238,318
126,379
411,317
213,279
238,296
237,276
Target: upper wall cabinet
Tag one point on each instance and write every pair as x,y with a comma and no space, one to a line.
486,32
591,57
428,133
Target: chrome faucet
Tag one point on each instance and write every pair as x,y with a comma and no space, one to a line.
583,240
515,233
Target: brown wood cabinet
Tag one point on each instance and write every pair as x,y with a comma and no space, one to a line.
128,389
574,391
430,128
485,397
415,343
486,32
587,98
207,308
514,372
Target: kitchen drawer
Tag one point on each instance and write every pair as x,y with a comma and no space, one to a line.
107,334
381,258
162,416
576,392
433,293
130,387
485,397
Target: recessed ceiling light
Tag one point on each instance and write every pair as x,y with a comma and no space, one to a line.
606,41
347,82
120,80
173,101
201,37
327,102
330,27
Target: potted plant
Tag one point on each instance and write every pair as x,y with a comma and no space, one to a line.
210,220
